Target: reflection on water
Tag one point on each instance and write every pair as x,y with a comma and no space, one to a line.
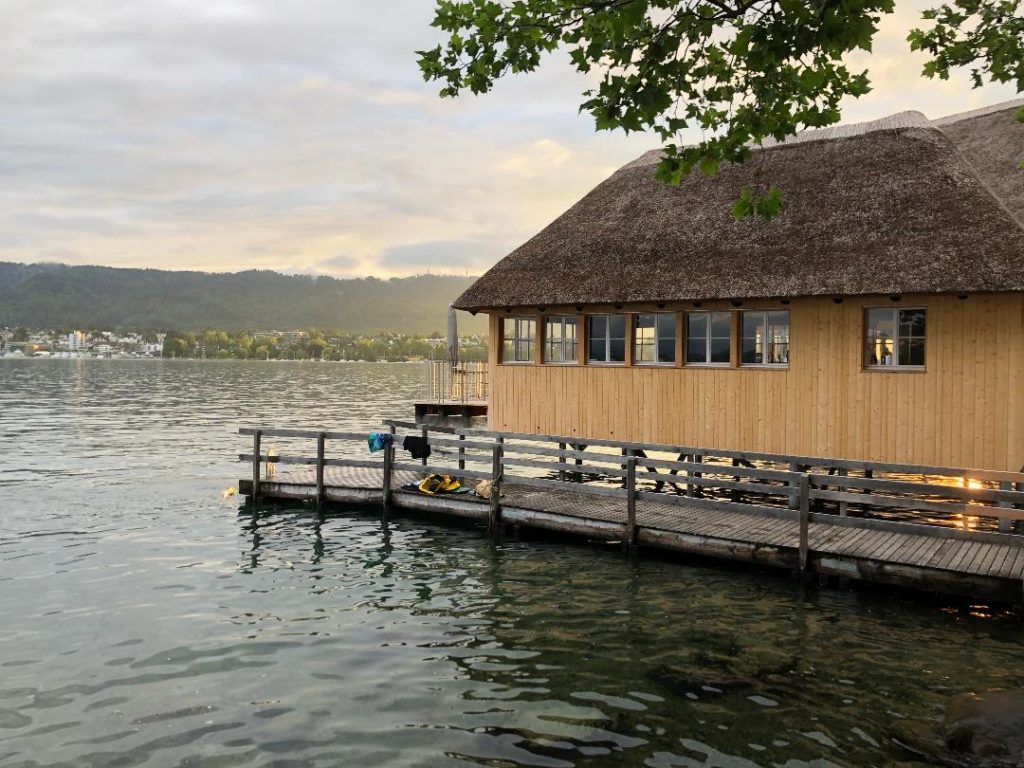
148,621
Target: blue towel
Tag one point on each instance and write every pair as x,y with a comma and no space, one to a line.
377,440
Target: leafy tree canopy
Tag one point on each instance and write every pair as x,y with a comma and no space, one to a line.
740,71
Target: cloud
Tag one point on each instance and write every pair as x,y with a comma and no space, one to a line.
298,135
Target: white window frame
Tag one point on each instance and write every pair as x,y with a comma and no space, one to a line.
562,343
896,365
764,348
657,337
608,339
707,338
518,338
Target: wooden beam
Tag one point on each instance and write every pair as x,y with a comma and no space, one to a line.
257,437
321,441
631,501
389,463
805,511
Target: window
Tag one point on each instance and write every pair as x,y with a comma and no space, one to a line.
708,338
654,338
560,340
606,337
518,339
895,338
765,338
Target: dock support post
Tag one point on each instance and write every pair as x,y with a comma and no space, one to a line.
842,472
321,441
494,519
631,501
423,433
805,509
1005,523
385,492
794,493
257,440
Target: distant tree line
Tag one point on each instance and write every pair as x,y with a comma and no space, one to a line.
317,345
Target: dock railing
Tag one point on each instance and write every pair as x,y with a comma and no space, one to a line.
459,383
978,504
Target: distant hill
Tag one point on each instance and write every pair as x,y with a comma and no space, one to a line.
60,296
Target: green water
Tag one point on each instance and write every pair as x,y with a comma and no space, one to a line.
149,622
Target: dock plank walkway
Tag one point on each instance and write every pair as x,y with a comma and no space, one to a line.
909,558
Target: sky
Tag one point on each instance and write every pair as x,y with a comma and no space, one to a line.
298,135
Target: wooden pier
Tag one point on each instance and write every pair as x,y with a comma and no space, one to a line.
939,529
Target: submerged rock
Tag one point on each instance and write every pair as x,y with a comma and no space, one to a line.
978,729
989,724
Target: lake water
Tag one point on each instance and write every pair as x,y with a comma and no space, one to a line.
147,621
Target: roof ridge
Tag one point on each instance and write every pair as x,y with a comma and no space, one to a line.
980,112
911,118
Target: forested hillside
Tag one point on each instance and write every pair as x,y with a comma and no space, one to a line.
59,296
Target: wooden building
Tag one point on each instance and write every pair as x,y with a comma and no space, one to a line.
880,317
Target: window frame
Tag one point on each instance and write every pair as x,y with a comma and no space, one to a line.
789,334
708,337
516,339
657,338
608,340
575,359
896,366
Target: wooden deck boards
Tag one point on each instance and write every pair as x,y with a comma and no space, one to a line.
733,530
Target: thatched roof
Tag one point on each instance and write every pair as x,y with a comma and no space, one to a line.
892,206
993,143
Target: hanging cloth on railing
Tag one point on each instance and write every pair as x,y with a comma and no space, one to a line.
377,440
417,446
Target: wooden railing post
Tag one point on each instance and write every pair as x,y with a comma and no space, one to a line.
321,441
385,494
696,490
804,501
794,492
842,472
424,433
1005,523
631,501
257,440
561,460
494,519
462,453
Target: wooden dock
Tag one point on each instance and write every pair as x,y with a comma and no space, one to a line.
814,516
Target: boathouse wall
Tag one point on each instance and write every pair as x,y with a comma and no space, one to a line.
964,408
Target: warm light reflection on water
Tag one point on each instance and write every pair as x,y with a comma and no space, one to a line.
149,621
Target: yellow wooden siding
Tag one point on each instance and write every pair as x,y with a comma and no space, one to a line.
965,409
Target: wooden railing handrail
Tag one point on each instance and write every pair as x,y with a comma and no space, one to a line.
991,475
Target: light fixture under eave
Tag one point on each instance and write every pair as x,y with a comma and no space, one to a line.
962,296
895,297
736,303
784,301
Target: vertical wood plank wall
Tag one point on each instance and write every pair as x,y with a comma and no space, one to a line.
965,409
